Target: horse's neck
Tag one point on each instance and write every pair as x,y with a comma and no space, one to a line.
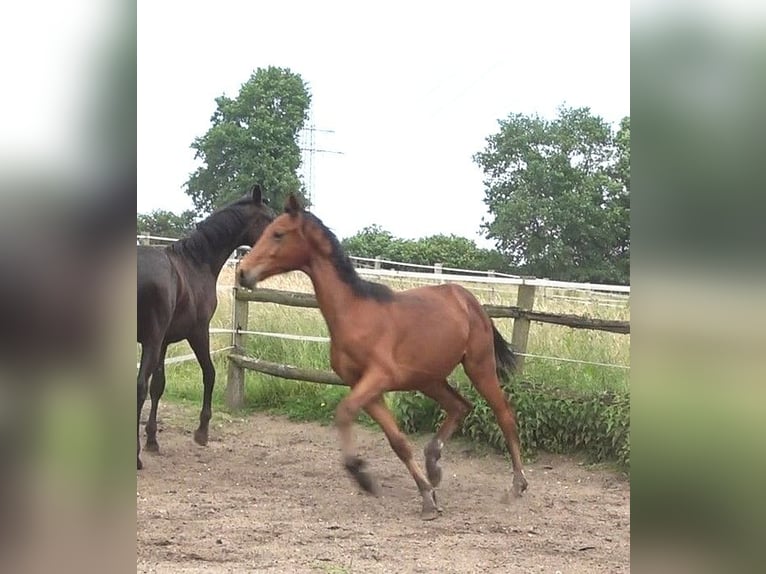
209,254
332,293
221,256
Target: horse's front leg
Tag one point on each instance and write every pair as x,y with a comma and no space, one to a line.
380,413
200,344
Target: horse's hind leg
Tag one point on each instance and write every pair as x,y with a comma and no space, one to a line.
456,408
150,353
200,344
481,371
156,388
379,412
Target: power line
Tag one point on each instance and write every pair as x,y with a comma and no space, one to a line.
309,151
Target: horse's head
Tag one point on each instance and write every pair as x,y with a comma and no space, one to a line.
283,246
258,215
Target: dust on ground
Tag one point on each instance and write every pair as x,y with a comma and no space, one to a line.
270,495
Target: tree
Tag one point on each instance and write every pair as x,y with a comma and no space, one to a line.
166,223
371,242
450,250
558,192
253,139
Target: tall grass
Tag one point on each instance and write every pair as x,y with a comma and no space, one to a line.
544,339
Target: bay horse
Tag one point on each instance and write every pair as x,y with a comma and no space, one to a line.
177,298
382,341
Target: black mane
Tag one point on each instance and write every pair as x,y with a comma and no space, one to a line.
345,268
217,231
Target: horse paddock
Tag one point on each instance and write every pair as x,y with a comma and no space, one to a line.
270,495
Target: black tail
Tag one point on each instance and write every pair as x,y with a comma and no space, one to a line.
505,358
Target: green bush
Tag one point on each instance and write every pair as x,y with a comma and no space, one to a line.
596,424
450,250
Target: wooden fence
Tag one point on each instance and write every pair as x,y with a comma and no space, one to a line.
523,315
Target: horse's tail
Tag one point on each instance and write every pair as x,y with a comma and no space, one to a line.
505,358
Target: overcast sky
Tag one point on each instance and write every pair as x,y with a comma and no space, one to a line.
410,89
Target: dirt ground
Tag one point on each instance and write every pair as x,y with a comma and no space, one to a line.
270,495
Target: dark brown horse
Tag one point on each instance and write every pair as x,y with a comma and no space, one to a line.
385,341
177,299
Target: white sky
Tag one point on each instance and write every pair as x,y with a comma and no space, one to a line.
411,90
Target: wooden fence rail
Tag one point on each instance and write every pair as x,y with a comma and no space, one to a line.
523,315
296,299
287,371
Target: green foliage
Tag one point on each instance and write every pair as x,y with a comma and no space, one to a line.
372,241
558,192
166,223
416,412
253,139
597,424
294,399
450,250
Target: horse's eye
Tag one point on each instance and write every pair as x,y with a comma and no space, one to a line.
278,235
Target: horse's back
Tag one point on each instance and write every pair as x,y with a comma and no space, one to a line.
440,299
450,312
154,271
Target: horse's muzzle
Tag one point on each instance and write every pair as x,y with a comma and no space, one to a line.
248,278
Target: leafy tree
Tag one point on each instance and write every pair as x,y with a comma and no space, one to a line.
253,139
450,250
372,241
559,195
166,223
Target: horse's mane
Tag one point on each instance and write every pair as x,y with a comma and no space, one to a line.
345,268
213,233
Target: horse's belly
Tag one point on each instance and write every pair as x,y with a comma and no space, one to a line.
174,336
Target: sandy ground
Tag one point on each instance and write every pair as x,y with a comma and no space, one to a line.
270,495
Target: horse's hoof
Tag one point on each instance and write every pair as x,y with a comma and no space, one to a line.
430,513
152,447
368,483
139,464
200,437
519,486
507,498
355,467
431,509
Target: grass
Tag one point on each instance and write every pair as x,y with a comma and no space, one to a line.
308,401
544,339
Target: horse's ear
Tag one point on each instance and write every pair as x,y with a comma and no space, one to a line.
257,194
292,206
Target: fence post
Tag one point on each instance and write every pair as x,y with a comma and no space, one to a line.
144,239
438,270
235,380
377,262
525,301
